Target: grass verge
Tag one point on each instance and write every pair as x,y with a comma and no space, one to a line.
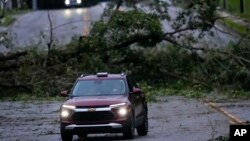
7,20
10,16
233,6
17,11
29,97
235,26
196,92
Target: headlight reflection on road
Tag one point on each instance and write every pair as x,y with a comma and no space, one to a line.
82,12
67,13
79,11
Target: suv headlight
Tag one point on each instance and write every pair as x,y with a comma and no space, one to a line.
65,113
78,1
121,109
67,2
66,110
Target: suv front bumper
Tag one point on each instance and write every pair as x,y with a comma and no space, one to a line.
101,120
111,125
96,128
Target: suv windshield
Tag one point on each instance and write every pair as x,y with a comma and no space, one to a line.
99,87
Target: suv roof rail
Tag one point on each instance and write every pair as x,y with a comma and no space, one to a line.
102,74
123,73
83,75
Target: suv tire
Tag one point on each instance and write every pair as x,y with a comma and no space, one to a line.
129,131
82,135
143,129
66,136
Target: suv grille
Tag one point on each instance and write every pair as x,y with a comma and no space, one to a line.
92,116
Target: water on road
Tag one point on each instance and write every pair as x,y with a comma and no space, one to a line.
34,27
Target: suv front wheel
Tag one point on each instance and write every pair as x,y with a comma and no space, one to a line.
129,131
66,136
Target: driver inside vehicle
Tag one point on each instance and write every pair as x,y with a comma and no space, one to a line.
118,88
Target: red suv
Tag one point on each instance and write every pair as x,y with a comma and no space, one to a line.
103,103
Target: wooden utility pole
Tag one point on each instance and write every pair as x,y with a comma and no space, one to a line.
242,6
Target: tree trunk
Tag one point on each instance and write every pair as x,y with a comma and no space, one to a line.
225,4
3,6
119,3
50,44
242,8
9,5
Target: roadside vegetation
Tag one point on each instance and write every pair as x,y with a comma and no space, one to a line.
243,13
236,27
233,6
7,20
9,16
163,63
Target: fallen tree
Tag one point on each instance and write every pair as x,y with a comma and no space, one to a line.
119,43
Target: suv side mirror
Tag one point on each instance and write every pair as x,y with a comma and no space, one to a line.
136,90
64,93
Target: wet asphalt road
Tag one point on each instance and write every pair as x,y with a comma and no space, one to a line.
171,119
34,27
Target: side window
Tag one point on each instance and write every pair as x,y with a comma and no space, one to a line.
130,85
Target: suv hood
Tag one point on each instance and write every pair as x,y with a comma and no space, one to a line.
95,101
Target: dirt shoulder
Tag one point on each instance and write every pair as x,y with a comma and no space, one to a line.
172,118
